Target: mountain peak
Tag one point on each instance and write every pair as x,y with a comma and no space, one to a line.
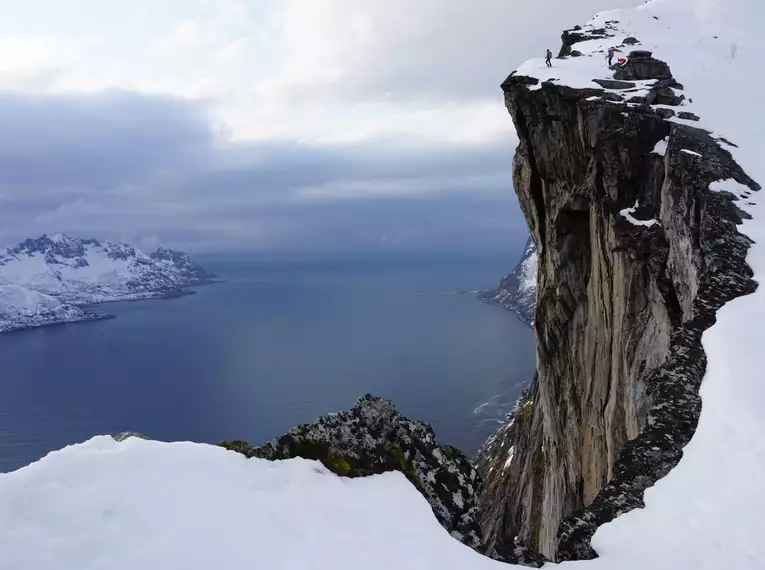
86,271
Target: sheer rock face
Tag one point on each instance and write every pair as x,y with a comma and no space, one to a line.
620,310
373,437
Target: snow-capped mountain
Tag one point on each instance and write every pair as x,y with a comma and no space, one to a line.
47,280
517,291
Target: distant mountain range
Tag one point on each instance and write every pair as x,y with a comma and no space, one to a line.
52,279
517,291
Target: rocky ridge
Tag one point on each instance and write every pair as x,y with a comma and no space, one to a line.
638,247
373,437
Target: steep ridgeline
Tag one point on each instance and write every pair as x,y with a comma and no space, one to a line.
517,292
632,210
48,280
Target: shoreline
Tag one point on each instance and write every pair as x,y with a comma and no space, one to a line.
94,317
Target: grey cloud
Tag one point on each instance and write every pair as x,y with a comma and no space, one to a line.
108,138
432,50
146,169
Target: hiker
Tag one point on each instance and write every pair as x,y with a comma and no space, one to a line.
548,57
621,62
611,54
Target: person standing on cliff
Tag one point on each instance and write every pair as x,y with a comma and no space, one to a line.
548,58
611,54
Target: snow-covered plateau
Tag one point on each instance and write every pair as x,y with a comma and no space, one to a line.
52,280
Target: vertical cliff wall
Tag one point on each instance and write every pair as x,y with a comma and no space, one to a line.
636,253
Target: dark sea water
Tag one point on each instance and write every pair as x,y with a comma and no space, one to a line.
275,345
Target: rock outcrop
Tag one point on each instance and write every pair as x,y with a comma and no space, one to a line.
373,437
642,65
636,254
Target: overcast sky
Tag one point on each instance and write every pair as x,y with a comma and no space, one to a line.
246,125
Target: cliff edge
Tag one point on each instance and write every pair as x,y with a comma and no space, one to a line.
633,204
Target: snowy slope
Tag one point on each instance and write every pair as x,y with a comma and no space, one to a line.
22,308
517,291
143,504
85,271
707,512
44,281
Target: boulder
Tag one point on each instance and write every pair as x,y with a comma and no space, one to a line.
661,95
642,65
631,41
670,83
665,113
578,34
688,116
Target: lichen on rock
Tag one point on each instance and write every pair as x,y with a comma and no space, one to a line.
372,438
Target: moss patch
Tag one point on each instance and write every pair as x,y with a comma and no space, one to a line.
385,457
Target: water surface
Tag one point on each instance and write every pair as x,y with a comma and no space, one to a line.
275,345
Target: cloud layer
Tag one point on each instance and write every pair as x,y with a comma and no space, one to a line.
251,125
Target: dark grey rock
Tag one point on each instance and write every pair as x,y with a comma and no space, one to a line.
576,53
669,83
614,84
579,34
663,95
688,116
631,41
665,113
373,437
607,96
641,65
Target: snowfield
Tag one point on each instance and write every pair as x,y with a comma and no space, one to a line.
182,506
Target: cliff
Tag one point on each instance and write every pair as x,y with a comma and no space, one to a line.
633,211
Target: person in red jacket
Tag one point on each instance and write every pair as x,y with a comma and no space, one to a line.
611,54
